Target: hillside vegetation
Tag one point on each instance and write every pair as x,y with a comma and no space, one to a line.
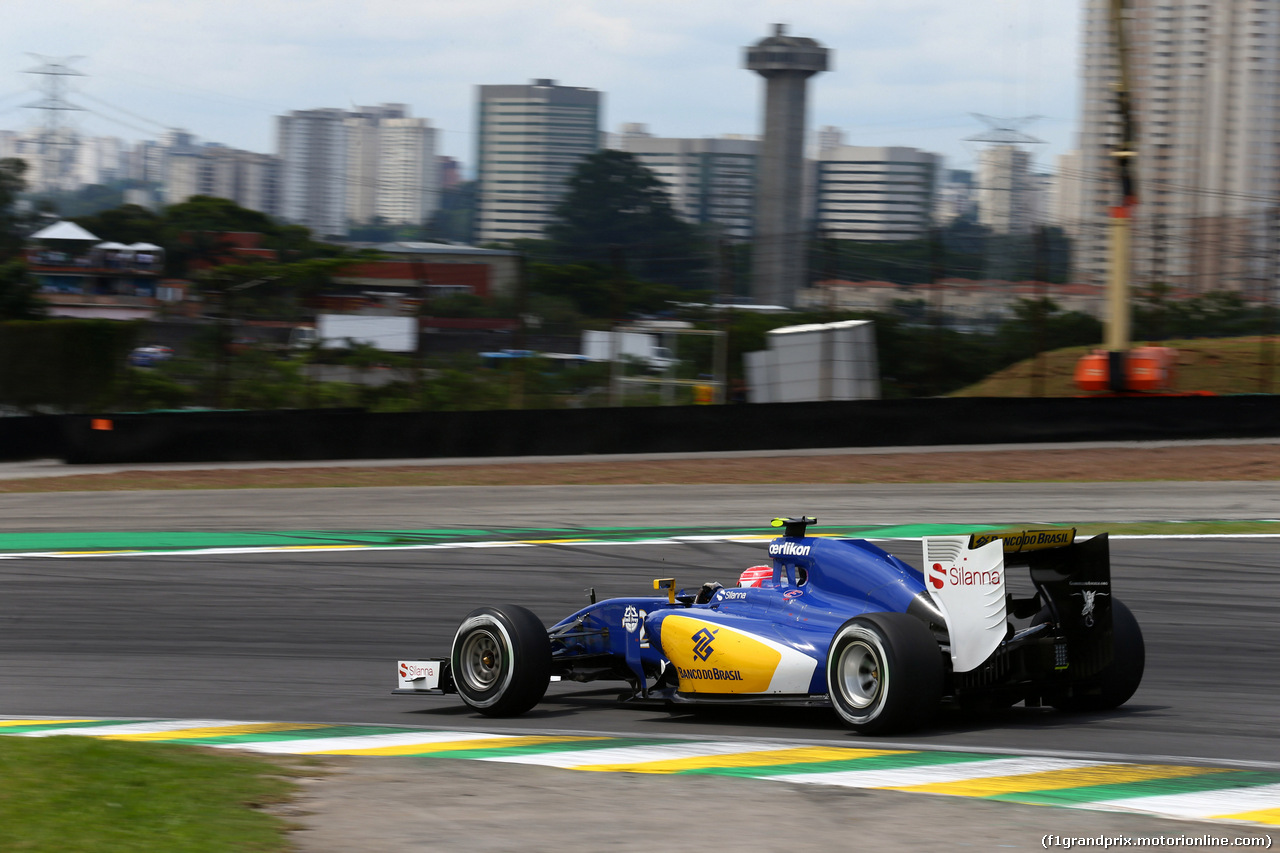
1218,365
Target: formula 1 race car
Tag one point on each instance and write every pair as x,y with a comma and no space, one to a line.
836,622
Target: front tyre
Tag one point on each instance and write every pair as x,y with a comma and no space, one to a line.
501,660
884,673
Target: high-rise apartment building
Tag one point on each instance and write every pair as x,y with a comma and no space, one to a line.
1206,94
711,181
408,177
1065,200
249,179
362,167
312,145
342,167
876,194
391,166
1005,189
529,141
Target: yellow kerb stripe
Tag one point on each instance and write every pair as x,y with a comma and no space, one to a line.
1269,816
1054,780
213,731
455,746
113,551
804,755
42,722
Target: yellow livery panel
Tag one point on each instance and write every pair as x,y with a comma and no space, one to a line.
711,658
1025,540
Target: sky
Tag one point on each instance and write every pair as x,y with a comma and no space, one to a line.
905,72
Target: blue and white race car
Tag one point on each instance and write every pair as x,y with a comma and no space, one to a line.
836,622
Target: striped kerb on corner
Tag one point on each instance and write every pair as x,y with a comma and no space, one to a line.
1185,792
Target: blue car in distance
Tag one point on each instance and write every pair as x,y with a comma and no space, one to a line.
832,622
149,356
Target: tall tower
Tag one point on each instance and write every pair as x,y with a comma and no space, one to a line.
786,63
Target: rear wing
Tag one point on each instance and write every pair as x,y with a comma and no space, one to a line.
1021,541
965,578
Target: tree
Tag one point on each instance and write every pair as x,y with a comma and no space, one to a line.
1040,325
129,223
209,213
18,289
11,184
616,208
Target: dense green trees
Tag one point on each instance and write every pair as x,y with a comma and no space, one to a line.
963,249
616,211
11,184
17,288
190,231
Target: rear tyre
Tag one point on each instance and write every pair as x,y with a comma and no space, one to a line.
884,673
501,660
1116,684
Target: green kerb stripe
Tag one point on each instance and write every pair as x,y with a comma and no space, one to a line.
1147,788
44,727
193,540
874,762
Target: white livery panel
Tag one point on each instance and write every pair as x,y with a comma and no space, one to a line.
418,674
967,585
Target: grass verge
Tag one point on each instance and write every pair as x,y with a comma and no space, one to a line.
72,794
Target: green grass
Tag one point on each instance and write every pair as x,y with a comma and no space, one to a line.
1170,528
72,794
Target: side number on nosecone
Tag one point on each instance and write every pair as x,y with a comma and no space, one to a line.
633,619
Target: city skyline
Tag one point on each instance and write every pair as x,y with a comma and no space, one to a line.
908,73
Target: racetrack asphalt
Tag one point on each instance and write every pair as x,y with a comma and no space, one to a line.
314,636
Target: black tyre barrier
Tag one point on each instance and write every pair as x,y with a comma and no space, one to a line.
354,434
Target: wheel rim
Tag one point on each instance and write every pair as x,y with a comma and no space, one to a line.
480,660
860,673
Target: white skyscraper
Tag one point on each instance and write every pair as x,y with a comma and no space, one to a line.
408,178
1206,79
529,141
1005,190
342,167
1065,199
312,145
362,167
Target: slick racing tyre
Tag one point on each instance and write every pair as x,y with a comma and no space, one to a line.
1116,684
884,673
501,660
